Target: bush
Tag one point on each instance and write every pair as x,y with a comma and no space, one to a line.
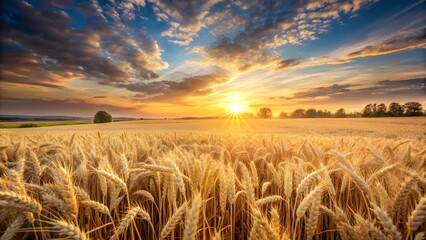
28,125
102,117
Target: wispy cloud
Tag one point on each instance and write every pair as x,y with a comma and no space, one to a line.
177,91
404,41
338,92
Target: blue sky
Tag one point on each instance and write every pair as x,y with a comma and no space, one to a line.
195,58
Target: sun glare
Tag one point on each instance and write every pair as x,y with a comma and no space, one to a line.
236,104
236,108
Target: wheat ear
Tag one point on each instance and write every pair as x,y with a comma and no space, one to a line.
173,220
269,199
306,182
128,219
13,227
19,201
420,236
95,205
418,216
68,230
312,221
307,201
178,176
272,235
387,223
68,194
113,178
192,219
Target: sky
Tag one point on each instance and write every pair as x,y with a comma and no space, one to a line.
175,58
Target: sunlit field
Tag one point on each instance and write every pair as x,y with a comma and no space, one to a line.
216,179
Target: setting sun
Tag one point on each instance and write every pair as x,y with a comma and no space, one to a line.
236,108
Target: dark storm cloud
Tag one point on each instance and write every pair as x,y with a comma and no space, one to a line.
38,33
336,92
405,41
177,90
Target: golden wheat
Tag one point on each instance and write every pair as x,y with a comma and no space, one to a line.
157,185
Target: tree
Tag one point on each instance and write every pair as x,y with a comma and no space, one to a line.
370,110
311,113
413,109
341,113
102,117
395,110
327,113
381,110
283,115
298,113
264,113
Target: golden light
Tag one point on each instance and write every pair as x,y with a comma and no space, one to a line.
235,109
236,104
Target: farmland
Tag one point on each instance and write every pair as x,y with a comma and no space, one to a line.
216,179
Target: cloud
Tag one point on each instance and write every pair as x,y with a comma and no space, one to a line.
289,63
76,107
187,18
403,41
268,26
235,57
222,22
332,93
175,91
41,45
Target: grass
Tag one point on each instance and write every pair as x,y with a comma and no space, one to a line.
39,124
123,183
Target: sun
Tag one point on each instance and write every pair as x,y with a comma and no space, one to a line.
236,104
236,108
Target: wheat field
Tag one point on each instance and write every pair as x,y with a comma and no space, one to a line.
114,181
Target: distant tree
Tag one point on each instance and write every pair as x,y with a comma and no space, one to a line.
102,117
311,113
264,113
413,109
395,110
283,115
320,114
366,111
373,110
341,113
381,110
369,110
298,113
327,113
356,114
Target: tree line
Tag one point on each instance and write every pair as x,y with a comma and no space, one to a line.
370,110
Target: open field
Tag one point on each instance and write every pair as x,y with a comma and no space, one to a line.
397,128
216,179
32,124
